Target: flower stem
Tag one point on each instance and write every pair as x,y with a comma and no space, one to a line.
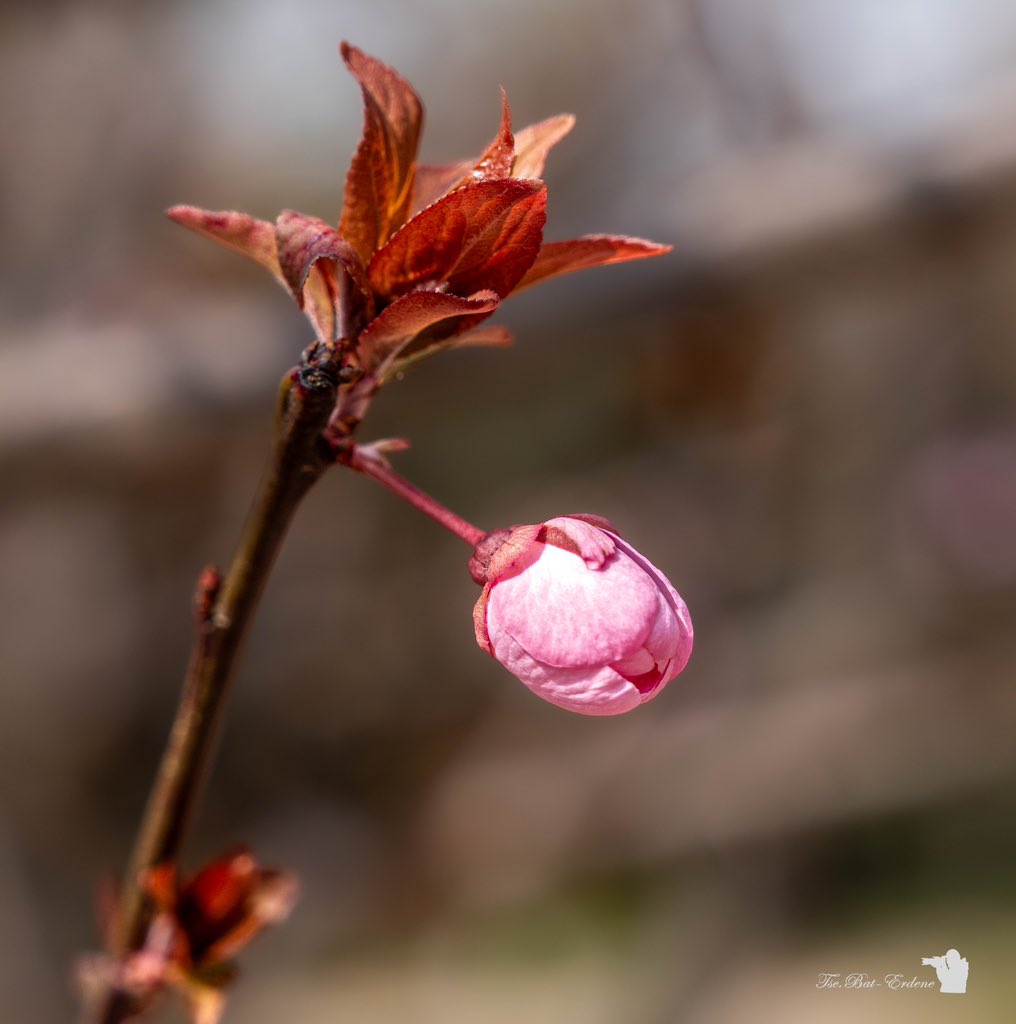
363,460
224,612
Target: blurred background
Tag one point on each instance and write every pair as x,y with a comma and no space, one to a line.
805,416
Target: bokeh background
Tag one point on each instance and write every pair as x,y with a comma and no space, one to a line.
805,415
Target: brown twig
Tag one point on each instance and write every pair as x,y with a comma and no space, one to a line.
224,610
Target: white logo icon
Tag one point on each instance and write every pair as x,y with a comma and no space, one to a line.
952,970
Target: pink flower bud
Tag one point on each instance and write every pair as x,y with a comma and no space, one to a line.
582,618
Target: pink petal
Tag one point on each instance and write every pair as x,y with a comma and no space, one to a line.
636,664
670,638
567,615
593,545
588,690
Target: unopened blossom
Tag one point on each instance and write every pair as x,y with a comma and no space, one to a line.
578,615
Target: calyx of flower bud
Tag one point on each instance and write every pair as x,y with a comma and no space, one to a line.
578,615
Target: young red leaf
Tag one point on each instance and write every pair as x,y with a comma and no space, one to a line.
408,316
484,235
435,180
379,185
253,238
432,181
256,240
557,258
505,249
533,143
496,160
489,335
268,901
218,893
302,241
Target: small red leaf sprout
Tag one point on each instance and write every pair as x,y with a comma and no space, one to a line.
422,254
198,925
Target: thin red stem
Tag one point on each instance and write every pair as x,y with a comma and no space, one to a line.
372,465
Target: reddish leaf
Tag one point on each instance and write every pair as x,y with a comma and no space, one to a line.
557,258
269,901
256,240
496,160
434,180
302,241
408,316
219,891
379,185
505,249
481,236
533,143
489,335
